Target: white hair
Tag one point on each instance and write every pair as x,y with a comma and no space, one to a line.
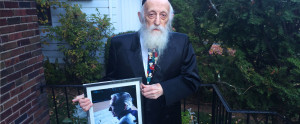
122,98
169,23
154,39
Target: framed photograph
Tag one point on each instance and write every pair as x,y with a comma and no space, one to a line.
114,102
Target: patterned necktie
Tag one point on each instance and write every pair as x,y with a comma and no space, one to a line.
152,61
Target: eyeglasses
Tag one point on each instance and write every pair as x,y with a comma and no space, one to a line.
153,15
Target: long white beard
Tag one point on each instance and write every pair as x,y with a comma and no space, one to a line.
155,39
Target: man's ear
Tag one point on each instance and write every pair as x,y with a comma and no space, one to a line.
140,17
125,108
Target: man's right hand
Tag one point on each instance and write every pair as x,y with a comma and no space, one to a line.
85,103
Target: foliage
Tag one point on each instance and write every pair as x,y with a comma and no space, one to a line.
81,39
61,104
53,72
188,117
264,36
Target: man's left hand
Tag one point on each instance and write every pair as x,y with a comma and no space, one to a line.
152,91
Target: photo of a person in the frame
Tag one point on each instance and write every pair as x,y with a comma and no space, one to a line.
120,107
118,110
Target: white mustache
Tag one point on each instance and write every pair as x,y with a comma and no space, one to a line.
153,27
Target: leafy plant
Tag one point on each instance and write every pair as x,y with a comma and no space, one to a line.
54,74
81,38
265,37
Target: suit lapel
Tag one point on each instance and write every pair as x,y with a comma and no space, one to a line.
135,58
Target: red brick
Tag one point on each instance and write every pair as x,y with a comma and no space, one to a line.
33,109
27,70
21,80
4,73
15,91
12,53
6,113
35,101
2,65
31,47
18,51
38,65
23,42
21,65
21,27
17,106
34,39
38,113
1,4
33,5
13,20
24,94
24,4
9,46
25,108
31,11
28,33
35,18
7,88
33,25
30,98
4,38
33,74
4,97
26,19
3,22
15,36
37,32
11,4
11,61
13,117
29,120
46,118
38,51
13,76
1,109
25,56
7,29
40,58
32,61
6,13
10,103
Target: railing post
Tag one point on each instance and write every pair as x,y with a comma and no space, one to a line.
248,118
184,104
213,110
198,115
229,120
66,94
54,101
267,116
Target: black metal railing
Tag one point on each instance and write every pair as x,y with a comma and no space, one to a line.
221,113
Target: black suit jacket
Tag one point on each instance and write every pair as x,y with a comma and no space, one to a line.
176,71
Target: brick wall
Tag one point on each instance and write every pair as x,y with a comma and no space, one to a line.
21,65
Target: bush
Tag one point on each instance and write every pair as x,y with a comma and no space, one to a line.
81,38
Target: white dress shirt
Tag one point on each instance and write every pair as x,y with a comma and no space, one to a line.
144,51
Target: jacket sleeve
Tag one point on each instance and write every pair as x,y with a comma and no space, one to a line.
187,82
112,62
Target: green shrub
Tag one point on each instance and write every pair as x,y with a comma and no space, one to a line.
81,41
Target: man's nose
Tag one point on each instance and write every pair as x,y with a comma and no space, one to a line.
157,20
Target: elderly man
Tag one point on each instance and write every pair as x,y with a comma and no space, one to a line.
172,74
120,107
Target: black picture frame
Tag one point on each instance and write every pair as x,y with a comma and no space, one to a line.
100,95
